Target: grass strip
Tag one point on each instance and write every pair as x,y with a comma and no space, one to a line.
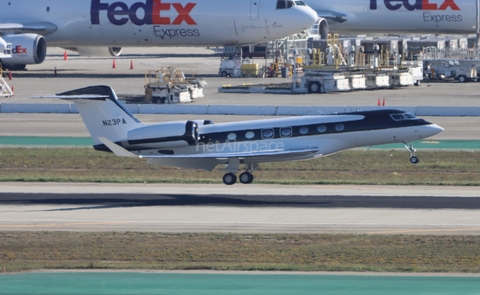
350,167
20,251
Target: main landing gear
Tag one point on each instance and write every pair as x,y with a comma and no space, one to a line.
413,159
246,177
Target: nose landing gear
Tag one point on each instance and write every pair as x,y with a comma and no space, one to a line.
413,159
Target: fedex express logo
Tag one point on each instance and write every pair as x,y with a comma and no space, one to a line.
428,6
142,13
418,5
17,50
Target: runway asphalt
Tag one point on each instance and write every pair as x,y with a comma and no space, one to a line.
204,208
242,209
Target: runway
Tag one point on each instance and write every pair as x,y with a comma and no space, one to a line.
242,209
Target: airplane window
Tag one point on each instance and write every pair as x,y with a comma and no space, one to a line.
339,127
304,130
404,116
267,133
322,128
289,4
250,134
286,132
232,136
281,4
397,117
300,3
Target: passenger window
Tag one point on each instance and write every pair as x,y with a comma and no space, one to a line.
322,128
286,132
304,130
232,136
267,133
339,127
250,135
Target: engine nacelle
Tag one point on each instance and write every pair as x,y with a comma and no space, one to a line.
165,135
98,51
26,49
321,28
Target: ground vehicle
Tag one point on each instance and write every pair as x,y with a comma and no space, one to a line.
450,68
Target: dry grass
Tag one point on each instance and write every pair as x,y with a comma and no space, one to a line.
349,167
286,252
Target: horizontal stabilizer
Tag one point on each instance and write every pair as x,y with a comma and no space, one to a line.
74,97
116,149
43,28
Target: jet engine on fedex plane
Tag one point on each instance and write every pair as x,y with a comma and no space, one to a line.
26,49
97,51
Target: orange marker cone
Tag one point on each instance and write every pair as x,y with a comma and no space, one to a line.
383,104
114,64
379,102
10,75
65,55
131,64
13,89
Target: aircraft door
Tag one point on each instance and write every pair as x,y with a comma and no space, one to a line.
254,9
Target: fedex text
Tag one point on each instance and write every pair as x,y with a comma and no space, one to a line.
149,12
415,5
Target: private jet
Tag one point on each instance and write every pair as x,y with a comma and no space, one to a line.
201,144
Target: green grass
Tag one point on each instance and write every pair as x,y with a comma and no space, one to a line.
20,251
350,167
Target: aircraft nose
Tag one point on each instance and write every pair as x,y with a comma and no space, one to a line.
433,129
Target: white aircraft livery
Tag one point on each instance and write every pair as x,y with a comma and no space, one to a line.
396,16
200,144
99,27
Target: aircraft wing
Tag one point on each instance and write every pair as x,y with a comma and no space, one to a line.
42,28
210,160
332,16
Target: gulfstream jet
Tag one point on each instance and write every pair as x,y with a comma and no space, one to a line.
396,16
99,27
204,145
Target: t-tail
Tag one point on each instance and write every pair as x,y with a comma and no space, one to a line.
102,112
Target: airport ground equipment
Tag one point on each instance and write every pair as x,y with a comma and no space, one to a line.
170,86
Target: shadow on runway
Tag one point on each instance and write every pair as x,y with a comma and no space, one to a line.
102,201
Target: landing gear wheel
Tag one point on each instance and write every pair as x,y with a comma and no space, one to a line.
229,178
314,87
246,177
414,160
462,79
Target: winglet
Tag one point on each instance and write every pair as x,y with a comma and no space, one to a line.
116,149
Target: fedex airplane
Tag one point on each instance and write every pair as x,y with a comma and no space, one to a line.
200,144
396,16
99,27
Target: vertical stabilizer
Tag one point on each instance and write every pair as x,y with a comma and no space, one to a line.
103,114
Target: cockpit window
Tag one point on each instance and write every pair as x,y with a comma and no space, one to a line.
285,4
403,117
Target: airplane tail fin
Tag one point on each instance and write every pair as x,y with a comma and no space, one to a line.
103,114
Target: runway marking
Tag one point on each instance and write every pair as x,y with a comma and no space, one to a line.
386,232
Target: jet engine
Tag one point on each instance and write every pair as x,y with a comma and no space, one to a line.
321,28
165,135
26,49
97,51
